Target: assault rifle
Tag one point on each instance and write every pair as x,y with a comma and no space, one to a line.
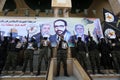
0,36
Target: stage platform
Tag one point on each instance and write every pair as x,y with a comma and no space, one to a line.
76,72
43,77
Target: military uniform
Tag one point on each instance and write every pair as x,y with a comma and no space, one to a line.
81,55
28,56
43,54
12,56
94,55
105,49
62,57
116,55
3,53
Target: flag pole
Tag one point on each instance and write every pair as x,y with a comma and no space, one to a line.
113,26
0,35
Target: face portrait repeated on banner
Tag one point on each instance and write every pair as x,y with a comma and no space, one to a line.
51,27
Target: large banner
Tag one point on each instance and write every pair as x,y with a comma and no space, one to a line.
70,28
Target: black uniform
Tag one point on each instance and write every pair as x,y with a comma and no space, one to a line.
12,55
62,56
3,53
94,55
81,55
43,54
116,54
28,56
105,49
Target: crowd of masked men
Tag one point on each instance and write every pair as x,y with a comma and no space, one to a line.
104,56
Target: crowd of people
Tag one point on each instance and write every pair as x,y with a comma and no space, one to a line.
103,54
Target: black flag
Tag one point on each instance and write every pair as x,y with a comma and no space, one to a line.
111,25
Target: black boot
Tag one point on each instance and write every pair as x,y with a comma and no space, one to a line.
66,75
99,72
57,74
38,73
0,72
93,71
117,71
